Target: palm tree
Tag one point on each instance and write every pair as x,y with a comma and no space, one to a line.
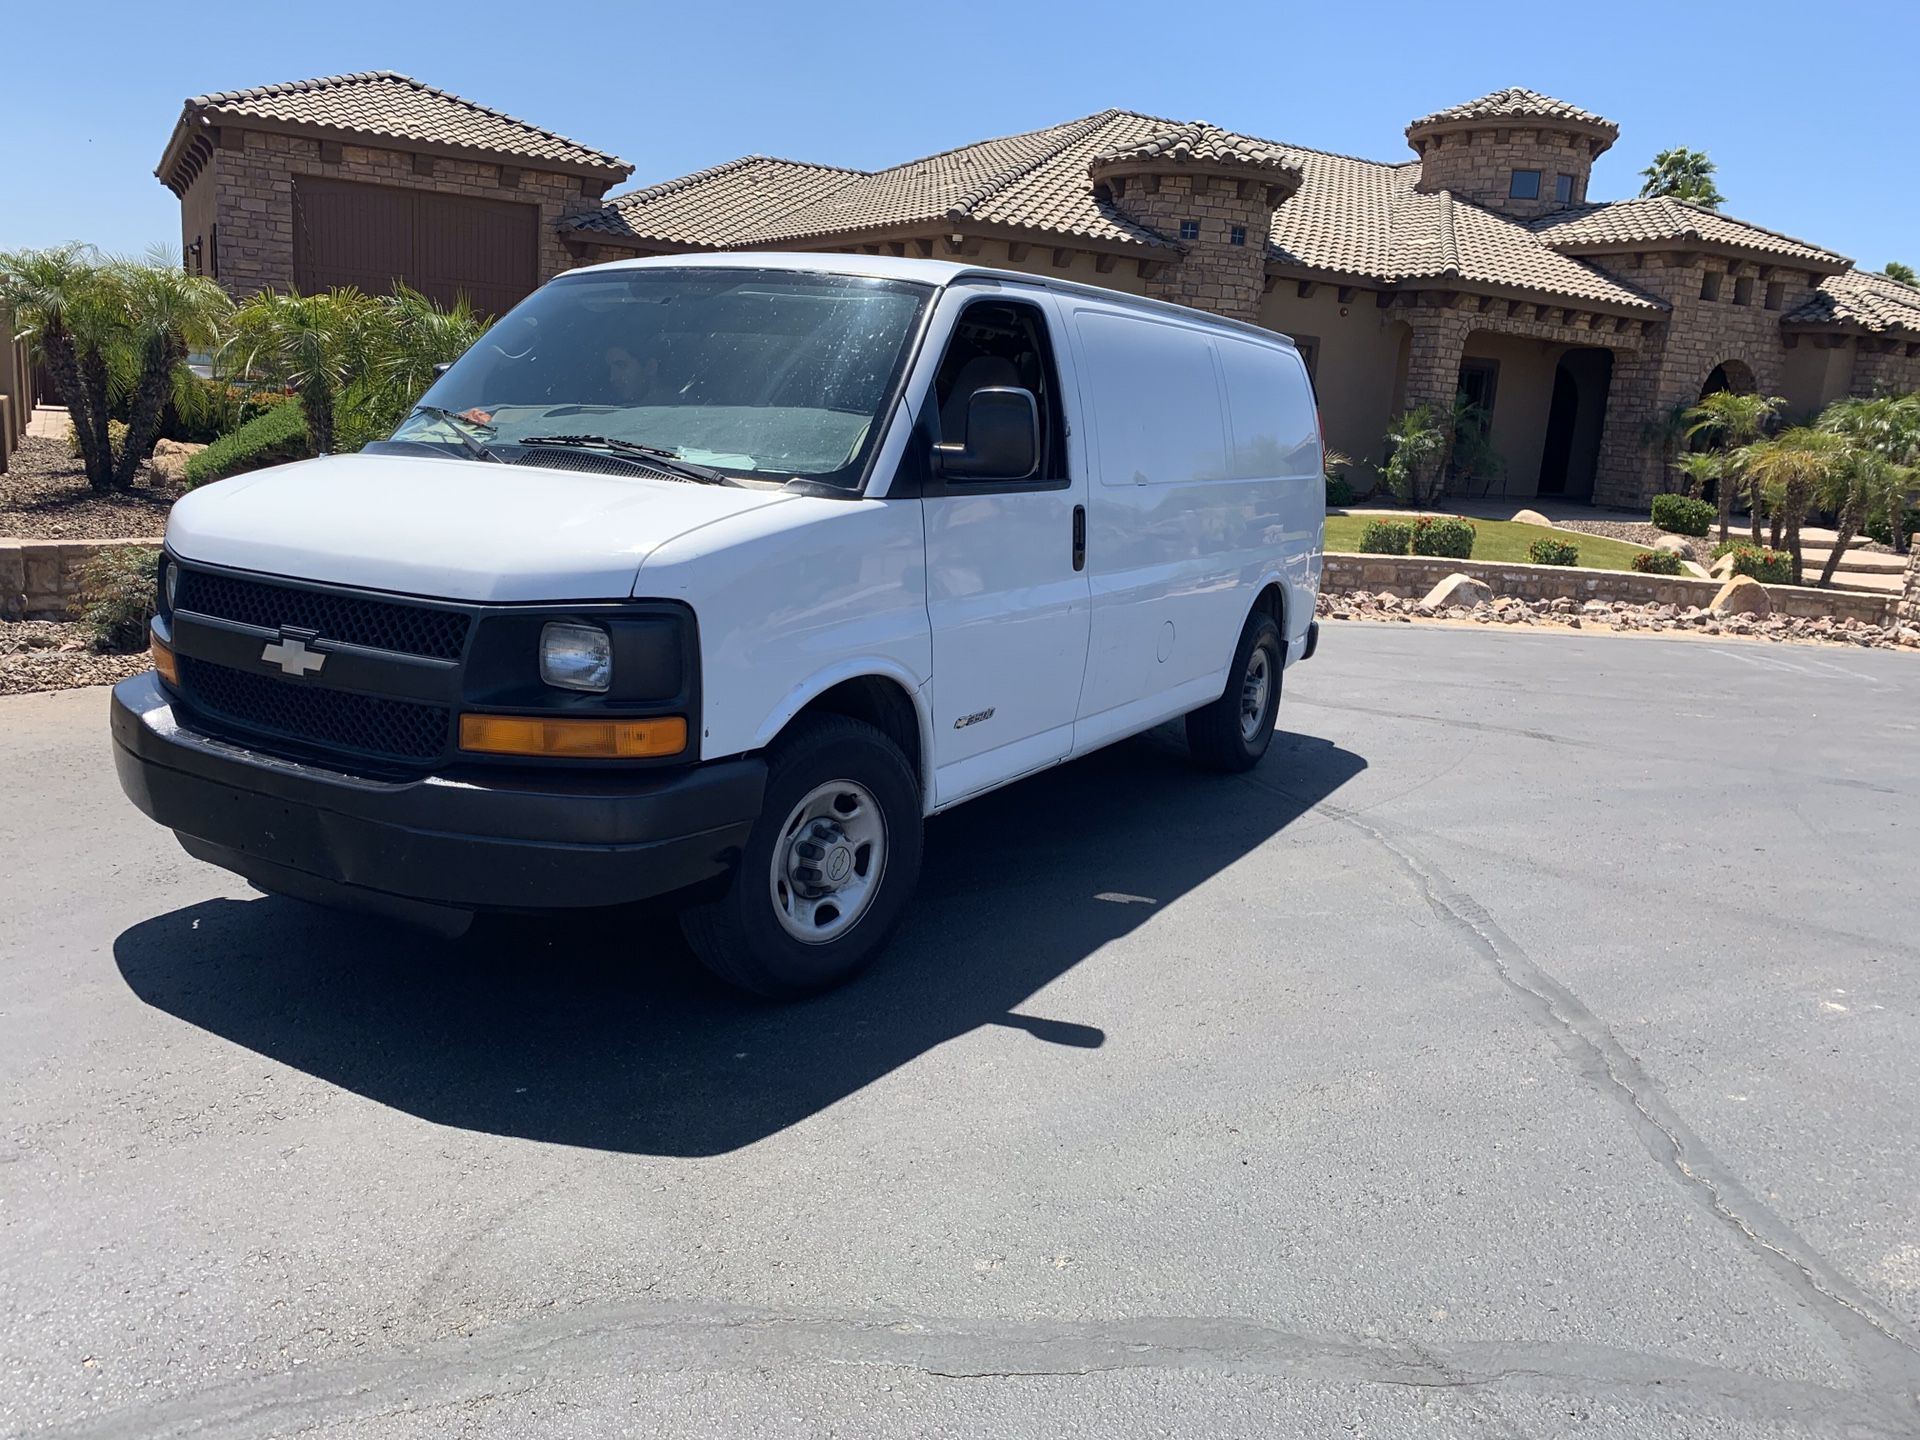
66,298
1800,463
1903,273
1700,468
1884,433
415,339
1733,420
169,313
1685,175
313,344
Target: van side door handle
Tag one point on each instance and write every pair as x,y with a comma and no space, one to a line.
1079,537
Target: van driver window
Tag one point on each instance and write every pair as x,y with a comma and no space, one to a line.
1001,344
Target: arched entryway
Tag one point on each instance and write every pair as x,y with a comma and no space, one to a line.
1575,417
1734,375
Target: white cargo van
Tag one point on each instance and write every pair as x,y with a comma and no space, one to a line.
715,575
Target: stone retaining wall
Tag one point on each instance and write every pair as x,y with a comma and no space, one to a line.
1412,576
40,579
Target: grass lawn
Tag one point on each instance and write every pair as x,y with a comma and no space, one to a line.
1498,540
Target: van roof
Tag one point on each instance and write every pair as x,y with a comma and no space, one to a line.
939,273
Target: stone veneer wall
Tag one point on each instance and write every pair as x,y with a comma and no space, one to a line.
1478,165
1215,274
1412,576
1909,603
40,579
253,204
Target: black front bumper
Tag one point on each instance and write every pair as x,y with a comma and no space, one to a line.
566,840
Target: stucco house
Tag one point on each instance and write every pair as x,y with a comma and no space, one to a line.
1479,265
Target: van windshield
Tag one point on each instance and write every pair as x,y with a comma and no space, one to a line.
769,374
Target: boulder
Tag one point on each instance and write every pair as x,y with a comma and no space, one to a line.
169,458
1742,595
1673,545
1698,572
1531,517
1458,589
1721,568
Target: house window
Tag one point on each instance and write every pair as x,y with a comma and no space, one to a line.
1189,229
1525,185
1309,348
1563,189
1776,294
1743,290
1710,285
1237,235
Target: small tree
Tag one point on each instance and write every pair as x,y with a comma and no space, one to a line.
314,345
168,313
1903,273
1683,174
67,299
1700,468
1731,421
1883,435
1800,463
1414,441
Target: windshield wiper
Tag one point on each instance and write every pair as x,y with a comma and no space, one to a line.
668,460
458,422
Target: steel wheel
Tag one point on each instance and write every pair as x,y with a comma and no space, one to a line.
1254,685
828,862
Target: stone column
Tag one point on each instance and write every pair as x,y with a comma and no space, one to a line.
1907,610
1433,378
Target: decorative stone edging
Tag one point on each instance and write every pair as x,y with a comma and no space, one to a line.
39,579
1411,576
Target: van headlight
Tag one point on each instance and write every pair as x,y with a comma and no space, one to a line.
576,657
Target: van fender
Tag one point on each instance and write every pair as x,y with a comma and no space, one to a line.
817,684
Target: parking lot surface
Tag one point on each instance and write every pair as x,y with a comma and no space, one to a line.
1528,1047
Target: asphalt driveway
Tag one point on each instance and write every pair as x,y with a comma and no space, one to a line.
1531,1046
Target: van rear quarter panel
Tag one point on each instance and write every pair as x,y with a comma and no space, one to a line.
791,600
1207,487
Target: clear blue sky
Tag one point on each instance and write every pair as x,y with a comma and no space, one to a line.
1812,136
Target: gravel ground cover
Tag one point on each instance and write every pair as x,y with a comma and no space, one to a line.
45,496
57,655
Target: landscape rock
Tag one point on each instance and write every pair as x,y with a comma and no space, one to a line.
1742,595
1695,569
1530,517
169,459
1458,589
1721,568
1673,545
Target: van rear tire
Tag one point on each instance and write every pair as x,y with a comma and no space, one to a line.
827,871
1233,733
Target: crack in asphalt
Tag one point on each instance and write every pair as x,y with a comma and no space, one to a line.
632,1339
1877,1340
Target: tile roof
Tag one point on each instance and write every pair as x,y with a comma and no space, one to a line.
1198,141
710,209
383,105
1514,104
1622,223
1863,299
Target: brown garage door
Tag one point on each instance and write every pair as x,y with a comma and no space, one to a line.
444,246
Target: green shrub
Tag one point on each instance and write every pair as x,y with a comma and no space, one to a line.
1658,562
1549,551
1682,515
117,593
1339,493
1736,542
1876,527
1386,537
1446,535
278,434
116,436
1769,567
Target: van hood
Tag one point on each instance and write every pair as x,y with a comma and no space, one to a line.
453,529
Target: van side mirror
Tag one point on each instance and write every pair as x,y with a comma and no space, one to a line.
1002,440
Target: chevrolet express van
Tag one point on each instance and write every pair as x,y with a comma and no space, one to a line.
714,576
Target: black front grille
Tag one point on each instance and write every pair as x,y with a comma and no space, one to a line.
332,614
401,730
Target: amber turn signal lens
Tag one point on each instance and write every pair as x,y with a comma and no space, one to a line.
573,739
164,662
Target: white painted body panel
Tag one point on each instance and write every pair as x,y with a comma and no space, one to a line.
456,529
1192,442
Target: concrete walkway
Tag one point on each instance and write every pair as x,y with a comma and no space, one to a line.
48,422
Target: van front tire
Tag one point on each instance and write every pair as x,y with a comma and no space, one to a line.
1232,734
825,876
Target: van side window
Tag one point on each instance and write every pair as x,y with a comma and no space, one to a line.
1001,342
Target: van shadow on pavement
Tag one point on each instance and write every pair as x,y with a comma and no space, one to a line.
601,1031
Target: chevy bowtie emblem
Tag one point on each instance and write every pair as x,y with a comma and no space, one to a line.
290,653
